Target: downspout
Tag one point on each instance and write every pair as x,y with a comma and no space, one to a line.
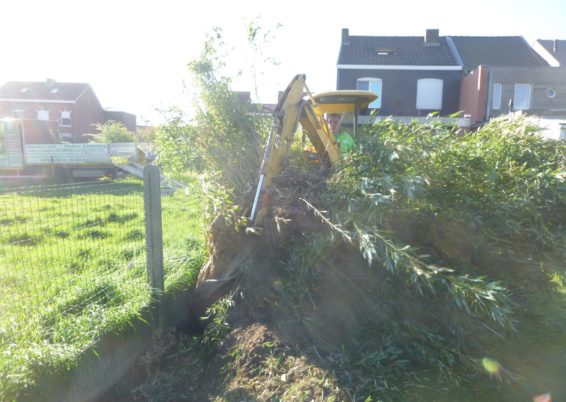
489,96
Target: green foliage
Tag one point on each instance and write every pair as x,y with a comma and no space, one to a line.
467,227
177,142
218,327
111,132
146,134
225,139
230,136
492,198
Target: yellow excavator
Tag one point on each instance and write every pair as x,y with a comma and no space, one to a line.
298,105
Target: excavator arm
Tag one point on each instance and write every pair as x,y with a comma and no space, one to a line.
295,106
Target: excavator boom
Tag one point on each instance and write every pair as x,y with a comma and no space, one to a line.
298,105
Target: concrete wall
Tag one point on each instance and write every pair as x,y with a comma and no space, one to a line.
97,371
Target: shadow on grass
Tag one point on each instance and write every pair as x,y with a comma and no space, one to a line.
126,187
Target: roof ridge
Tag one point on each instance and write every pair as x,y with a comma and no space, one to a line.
485,36
45,82
391,36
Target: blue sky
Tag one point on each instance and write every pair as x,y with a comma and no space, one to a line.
134,54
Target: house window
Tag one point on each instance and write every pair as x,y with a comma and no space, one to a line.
522,97
18,114
374,85
429,94
43,115
65,119
496,103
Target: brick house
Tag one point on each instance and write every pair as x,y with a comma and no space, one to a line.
53,111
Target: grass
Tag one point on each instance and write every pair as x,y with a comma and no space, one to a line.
72,268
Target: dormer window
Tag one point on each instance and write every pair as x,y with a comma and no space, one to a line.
54,90
384,52
24,90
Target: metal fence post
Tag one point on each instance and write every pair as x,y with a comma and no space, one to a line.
153,229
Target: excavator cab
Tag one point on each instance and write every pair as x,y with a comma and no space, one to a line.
344,101
298,105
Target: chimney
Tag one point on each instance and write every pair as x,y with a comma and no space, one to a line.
50,81
431,37
555,46
243,96
345,37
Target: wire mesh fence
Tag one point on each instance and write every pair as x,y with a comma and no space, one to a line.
183,223
68,248
74,265
69,253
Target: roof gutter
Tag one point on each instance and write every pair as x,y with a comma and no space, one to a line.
395,67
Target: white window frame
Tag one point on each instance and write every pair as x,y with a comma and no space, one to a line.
497,93
528,105
65,114
43,115
425,102
376,104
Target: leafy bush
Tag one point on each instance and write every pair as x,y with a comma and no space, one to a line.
225,139
468,228
111,132
489,202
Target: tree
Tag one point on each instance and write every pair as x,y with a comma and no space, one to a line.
111,132
146,134
225,139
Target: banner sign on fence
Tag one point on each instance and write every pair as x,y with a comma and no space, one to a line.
126,149
11,156
72,154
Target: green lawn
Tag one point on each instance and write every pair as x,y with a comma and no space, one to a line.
72,268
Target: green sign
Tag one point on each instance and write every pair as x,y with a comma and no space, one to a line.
11,156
